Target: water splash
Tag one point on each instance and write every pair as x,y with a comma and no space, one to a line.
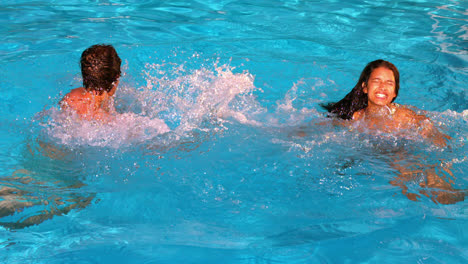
176,100
188,97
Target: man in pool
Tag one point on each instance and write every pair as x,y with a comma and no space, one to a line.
371,103
100,68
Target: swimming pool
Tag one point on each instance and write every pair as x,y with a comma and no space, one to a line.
231,182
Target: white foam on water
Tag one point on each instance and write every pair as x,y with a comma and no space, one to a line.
124,129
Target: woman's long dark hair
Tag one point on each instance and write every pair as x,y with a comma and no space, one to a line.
357,99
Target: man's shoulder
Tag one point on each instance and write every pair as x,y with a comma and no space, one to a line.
74,97
76,93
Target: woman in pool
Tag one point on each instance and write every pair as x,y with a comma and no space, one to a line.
371,103
100,68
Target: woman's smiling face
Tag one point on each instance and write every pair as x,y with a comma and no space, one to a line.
380,88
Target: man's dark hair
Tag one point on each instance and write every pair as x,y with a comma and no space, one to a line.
100,68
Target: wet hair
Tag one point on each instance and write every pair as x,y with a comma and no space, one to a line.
357,99
100,68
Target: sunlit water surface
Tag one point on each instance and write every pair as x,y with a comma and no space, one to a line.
221,151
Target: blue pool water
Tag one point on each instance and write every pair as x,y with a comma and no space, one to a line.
231,182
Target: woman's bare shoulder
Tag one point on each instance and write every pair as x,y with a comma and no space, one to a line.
402,110
405,113
358,114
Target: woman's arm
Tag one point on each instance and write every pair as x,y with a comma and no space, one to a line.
429,131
